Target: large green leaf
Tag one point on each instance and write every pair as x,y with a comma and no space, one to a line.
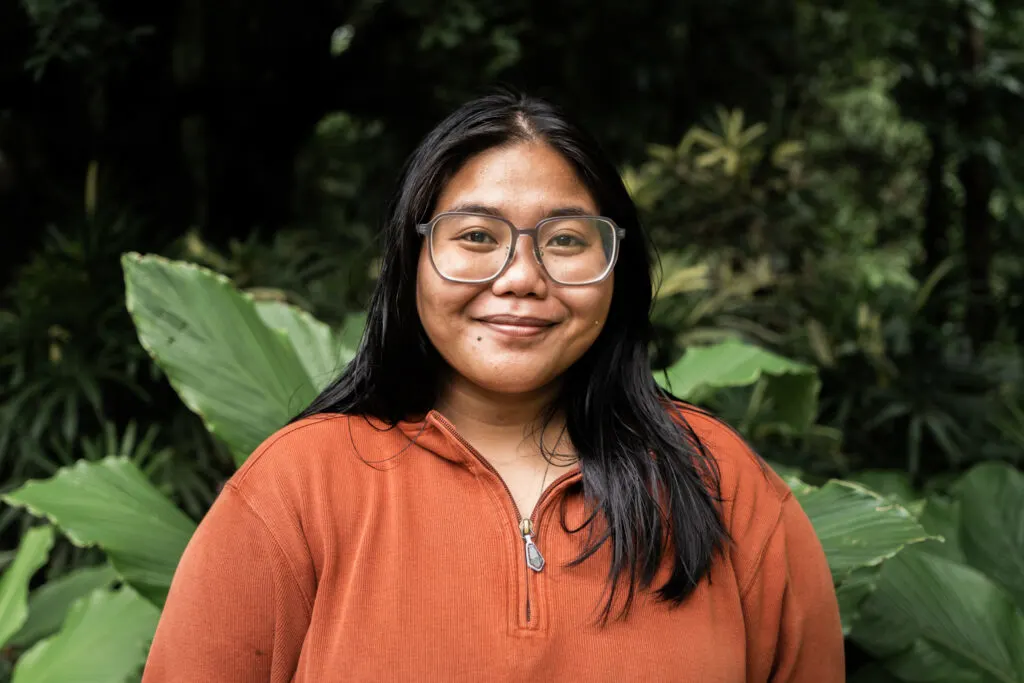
243,378
922,661
941,518
894,485
317,347
33,550
351,333
104,640
959,613
733,363
992,524
110,503
857,527
48,605
852,592
790,399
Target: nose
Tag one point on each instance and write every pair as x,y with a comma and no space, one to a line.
524,276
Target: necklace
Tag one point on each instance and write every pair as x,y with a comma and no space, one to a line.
554,450
544,479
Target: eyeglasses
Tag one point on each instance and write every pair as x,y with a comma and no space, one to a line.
474,248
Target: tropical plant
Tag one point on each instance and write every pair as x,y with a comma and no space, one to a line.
75,383
899,385
737,181
109,503
80,627
953,611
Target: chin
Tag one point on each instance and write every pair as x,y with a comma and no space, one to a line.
509,381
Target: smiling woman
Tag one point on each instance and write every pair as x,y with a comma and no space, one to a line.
512,315
407,525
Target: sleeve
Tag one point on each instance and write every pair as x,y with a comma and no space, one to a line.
794,634
235,612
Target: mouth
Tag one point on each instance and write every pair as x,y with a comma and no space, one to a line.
517,326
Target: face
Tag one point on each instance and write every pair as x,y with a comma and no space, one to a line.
520,332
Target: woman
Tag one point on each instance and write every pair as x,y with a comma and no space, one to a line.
495,489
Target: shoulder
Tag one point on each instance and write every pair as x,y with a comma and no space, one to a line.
295,444
321,456
753,497
738,464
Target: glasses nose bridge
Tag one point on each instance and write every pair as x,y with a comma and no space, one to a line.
518,233
534,249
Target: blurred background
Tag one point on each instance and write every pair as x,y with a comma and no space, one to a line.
834,183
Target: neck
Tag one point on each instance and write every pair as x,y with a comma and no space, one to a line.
497,421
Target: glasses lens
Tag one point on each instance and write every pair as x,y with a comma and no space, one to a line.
576,250
470,248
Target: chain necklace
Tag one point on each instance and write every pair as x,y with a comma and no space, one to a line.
554,450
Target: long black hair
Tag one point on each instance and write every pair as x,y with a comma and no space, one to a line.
648,481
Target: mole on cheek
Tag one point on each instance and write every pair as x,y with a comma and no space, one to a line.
479,338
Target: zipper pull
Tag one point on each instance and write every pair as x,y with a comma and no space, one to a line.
534,560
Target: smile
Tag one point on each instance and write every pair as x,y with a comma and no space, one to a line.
517,326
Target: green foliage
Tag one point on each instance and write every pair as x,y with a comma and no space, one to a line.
32,553
49,604
702,370
104,634
244,386
858,531
856,526
63,356
76,32
928,614
990,509
75,383
322,353
105,638
244,390
111,504
952,610
846,300
784,393
737,184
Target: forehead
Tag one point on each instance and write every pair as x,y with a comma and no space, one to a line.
525,179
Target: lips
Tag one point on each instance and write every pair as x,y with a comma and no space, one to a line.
517,321
519,327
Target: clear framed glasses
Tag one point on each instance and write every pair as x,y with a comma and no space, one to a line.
475,248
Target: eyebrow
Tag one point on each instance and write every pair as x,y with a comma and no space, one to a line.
494,211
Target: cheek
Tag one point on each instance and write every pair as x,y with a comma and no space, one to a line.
423,286
590,306
430,300
439,303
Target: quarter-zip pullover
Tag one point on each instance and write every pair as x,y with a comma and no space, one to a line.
343,551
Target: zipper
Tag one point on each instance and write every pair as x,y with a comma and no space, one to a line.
532,555
534,560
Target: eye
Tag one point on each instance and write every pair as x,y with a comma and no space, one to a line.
477,237
566,240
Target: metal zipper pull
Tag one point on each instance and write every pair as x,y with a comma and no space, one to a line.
534,560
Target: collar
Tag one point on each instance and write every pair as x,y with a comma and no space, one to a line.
436,434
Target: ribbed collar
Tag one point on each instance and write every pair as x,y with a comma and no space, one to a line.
436,434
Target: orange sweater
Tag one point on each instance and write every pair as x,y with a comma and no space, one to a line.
314,567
